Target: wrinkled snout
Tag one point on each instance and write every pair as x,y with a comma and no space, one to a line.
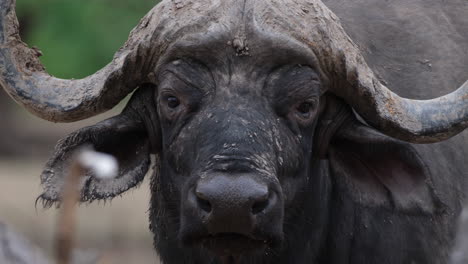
235,213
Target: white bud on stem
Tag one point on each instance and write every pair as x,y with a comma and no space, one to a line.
103,166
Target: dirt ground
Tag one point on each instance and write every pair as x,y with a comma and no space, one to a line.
118,230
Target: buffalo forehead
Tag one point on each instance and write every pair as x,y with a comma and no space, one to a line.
257,30
221,68
217,51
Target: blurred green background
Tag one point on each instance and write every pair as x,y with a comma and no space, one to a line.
78,37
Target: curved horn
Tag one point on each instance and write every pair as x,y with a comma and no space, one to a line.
416,121
58,100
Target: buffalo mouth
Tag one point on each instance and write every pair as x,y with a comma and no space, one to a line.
230,245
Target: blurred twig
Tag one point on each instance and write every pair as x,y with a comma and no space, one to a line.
103,166
66,222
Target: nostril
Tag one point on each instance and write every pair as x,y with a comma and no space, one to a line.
260,205
205,205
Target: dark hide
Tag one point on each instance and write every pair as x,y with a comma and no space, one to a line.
418,48
383,187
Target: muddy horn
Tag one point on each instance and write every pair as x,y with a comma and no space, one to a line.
58,100
416,121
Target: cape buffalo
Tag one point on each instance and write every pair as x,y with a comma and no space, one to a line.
276,137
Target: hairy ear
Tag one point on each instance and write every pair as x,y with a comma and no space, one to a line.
125,136
378,171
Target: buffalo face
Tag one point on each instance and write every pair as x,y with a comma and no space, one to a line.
233,136
236,143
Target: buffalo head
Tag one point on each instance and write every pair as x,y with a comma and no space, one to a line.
242,103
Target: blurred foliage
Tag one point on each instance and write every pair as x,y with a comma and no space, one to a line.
78,37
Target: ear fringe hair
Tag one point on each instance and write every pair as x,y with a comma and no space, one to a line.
46,203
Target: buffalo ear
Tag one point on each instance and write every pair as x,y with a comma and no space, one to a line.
375,170
124,136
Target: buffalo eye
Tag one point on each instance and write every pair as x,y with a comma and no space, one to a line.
305,110
172,106
172,102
